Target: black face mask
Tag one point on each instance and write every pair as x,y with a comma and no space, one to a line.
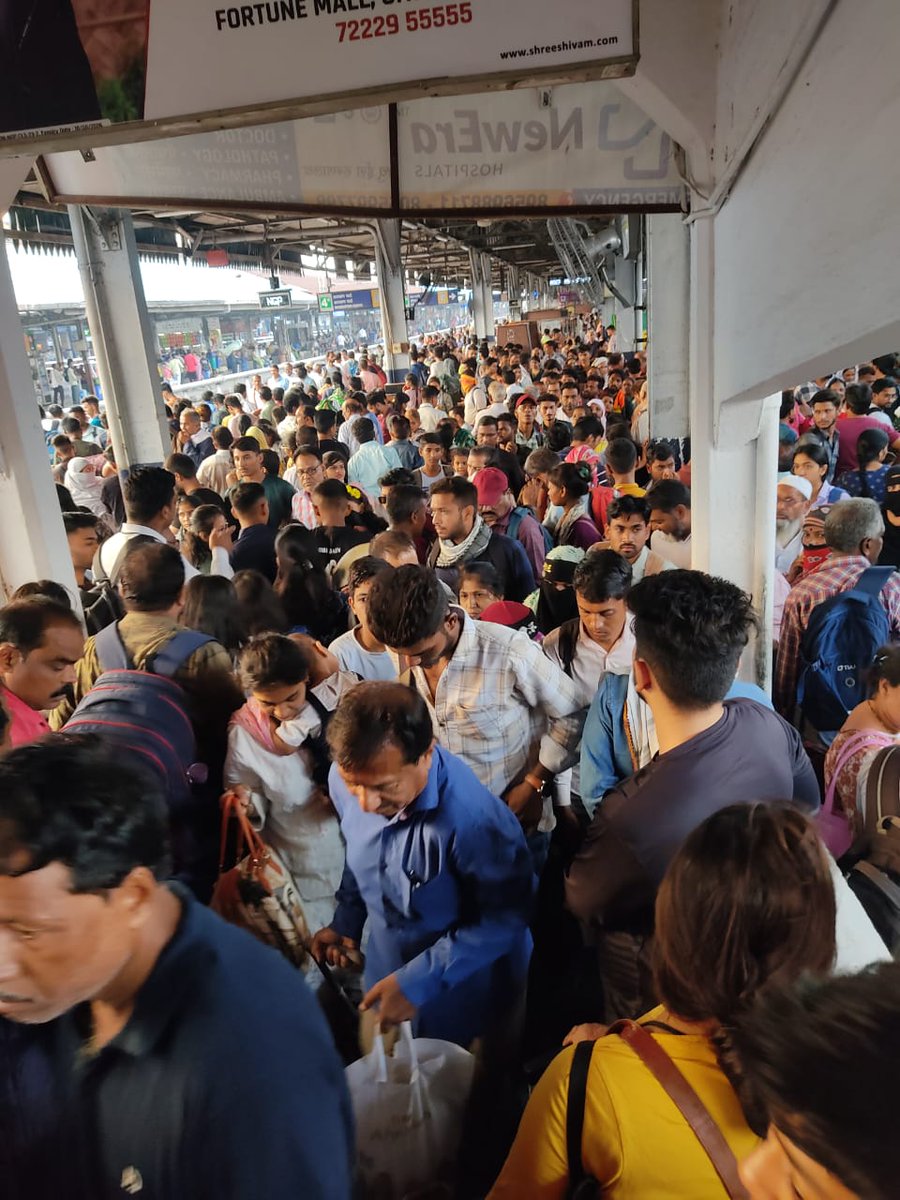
892,503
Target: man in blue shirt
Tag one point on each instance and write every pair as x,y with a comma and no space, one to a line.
436,866
188,1060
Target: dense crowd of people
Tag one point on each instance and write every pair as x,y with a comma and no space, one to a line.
438,652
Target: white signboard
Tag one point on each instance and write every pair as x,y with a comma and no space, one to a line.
329,162
590,146
275,50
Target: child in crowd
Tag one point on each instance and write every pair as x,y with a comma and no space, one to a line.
358,650
276,783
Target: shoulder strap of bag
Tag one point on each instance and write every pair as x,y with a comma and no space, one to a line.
687,1101
111,652
883,784
568,643
171,657
872,580
885,885
408,679
575,1100
324,714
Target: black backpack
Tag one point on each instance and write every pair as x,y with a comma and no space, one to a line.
317,743
102,605
875,876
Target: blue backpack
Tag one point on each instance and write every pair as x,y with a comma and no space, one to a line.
517,516
837,648
145,712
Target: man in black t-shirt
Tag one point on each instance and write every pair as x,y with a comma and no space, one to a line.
334,537
254,549
690,630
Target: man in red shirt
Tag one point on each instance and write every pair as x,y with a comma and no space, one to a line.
191,365
40,643
853,422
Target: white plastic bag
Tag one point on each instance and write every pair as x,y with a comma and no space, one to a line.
409,1113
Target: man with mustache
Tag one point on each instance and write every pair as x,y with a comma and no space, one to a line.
40,643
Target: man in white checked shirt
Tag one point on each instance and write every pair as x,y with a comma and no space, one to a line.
496,701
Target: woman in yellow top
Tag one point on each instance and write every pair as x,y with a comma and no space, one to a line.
747,899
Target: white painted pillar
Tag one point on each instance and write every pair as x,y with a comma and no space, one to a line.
479,315
32,540
122,333
734,468
669,293
624,308
389,272
488,302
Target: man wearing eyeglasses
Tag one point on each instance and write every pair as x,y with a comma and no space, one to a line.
308,466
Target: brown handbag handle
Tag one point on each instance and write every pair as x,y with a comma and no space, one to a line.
247,838
689,1104
885,764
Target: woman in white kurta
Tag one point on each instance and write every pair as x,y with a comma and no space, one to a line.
287,807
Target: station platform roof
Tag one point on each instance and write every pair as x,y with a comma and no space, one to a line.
437,244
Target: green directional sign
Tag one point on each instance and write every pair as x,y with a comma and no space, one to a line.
326,303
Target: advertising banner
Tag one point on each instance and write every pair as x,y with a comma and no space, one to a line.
589,146
74,70
583,145
330,162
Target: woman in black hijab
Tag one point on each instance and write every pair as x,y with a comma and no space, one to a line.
890,551
556,596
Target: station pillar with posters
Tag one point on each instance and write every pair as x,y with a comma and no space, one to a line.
389,272
121,332
32,539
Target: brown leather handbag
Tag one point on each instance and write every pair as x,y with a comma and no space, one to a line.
583,1186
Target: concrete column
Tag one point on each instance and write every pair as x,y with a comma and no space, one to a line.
389,272
479,313
669,287
488,288
608,309
122,333
734,467
626,284
32,541
514,291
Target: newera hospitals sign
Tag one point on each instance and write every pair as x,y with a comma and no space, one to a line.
123,70
589,147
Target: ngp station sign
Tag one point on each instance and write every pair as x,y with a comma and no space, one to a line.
172,62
